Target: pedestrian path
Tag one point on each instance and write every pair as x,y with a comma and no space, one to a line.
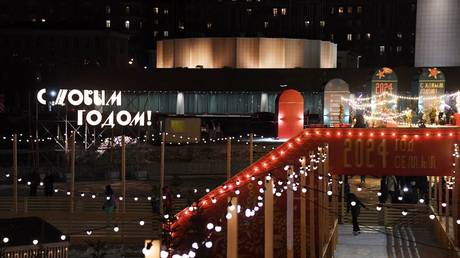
371,243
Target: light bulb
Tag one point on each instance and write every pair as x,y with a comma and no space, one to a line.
443,204
329,192
400,198
63,237
405,189
146,252
228,216
6,240
379,194
191,254
404,212
208,244
195,245
378,208
218,228
210,226
164,254
141,222
359,189
35,242
247,213
89,232
116,229
213,200
353,203
432,216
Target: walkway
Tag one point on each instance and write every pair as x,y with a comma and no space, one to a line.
371,243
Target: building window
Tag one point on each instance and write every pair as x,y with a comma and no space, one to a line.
307,23
127,24
209,25
155,33
382,50
358,36
368,35
127,9
332,10
265,24
275,11
359,9
322,24
156,10
399,35
107,23
350,9
108,10
181,25
399,49
165,33
341,9
166,11
283,11
349,37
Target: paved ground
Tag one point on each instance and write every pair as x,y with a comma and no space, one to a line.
370,243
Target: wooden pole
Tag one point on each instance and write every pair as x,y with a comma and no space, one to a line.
123,173
447,207
15,173
162,169
290,215
311,196
229,157
303,210
232,229
268,217
342,200
72,175
251,148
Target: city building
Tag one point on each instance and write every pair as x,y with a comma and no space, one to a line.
367,33
438,24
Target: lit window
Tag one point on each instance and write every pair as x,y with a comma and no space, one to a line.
332,10
209,25
368,35
307,23
156,10
283,11
350,10
382,49
275,11
181,25
107,23
108,10
340,9
166,11
127,25
349,37
127,9
266,24
322,24
399,35
165,33
359,9
399,49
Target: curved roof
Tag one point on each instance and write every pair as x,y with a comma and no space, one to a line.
337,85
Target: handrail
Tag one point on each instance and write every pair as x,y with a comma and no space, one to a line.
332,240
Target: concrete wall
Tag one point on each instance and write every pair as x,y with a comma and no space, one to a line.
246,53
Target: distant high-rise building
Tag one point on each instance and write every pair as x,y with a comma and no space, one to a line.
438,33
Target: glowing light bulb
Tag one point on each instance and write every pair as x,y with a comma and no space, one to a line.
353,203
210,226
63,237
228,216
432,216
218,228
141,222
208,244
35,242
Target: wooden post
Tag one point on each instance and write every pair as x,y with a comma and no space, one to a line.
430,188
303,210
439,197
123,173
229,157
290,215
311,196
455,203
162,169
251,148
232,229
15,173
72,174
342,201
268,217
447,207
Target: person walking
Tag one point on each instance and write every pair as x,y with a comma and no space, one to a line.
363,179
48,181
392,187
354,204
109,203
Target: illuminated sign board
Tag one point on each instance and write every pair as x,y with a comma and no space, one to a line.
91,99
